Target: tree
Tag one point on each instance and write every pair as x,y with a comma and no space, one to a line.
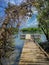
14,12
43,15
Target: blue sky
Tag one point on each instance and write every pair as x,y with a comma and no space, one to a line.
3,4
30,22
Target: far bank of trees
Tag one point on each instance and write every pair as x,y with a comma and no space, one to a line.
31,30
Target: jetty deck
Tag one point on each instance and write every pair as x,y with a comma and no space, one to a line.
33,54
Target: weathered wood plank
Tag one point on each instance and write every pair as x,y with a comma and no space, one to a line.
32,55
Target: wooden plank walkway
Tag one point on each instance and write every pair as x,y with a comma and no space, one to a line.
32,55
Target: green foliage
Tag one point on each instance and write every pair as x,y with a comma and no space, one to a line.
32,30
14,30
43,16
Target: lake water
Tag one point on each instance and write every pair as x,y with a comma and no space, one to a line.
19,43
16,54
43,38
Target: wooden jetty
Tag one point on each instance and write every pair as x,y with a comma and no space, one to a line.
33,54
22,36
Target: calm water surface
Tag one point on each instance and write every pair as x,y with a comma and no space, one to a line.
19,43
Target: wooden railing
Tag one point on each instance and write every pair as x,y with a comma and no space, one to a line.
22,36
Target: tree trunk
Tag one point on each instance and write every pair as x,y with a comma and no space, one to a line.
47,37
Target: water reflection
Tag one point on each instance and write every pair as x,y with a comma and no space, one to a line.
43,38
18,46
19,42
